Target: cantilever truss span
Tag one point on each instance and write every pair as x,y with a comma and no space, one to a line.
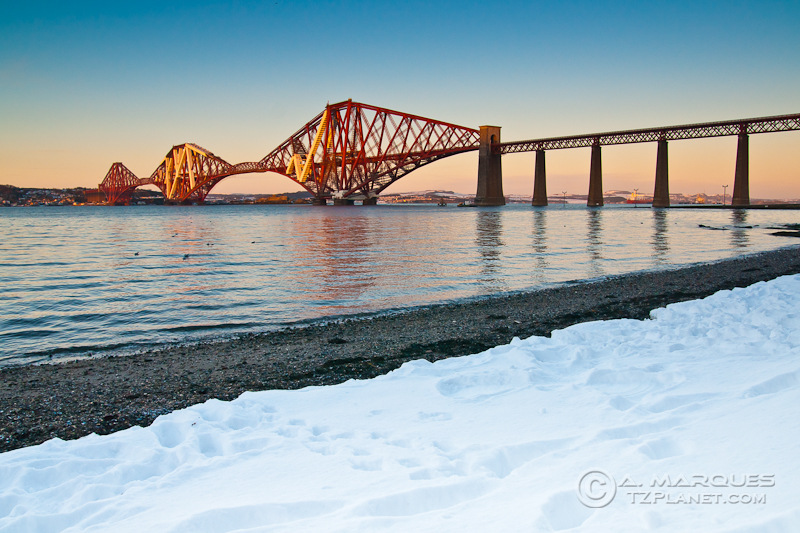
119,183
353,149
350,150
189,171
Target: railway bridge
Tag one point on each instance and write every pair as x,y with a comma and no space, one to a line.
353,151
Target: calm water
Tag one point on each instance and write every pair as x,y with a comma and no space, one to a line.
97,279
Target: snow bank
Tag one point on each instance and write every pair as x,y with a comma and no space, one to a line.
689,420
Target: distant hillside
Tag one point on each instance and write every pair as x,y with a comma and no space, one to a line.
9,193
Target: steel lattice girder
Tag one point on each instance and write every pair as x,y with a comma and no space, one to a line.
189,171
363,148
690,131
119,184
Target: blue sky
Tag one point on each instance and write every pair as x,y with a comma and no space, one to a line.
84,85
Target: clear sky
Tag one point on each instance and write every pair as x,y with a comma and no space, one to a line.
85,84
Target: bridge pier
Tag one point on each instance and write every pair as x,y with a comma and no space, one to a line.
595,178
319,201
343,201
661,192
490,169
370,201
741,181
539,181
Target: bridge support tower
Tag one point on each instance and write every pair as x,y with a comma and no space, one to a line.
741,181
595,178
661,192
539,181
490,169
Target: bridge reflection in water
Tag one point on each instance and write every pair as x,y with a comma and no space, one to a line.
490,244
739,227
660,240
608,239
336,259
539,245
594,239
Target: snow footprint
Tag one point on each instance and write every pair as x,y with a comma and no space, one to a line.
661,448
210,445
367,464
563,511
249,517
641,429
671,402
503,461
779,383
435,416
423,499
631,382
480,385
168,433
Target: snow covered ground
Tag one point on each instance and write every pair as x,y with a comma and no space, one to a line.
688,421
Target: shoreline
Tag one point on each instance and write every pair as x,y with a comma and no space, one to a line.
102,395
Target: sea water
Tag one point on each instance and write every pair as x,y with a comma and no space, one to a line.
80,281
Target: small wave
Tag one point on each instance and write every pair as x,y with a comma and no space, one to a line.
37,264
208,307
27,333
61,354
61,285
98,319
212,327
139,280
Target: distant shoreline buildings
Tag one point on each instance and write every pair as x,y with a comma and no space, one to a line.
11,196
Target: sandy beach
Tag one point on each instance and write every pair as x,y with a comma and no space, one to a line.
103,395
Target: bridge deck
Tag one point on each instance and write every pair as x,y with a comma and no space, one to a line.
688,131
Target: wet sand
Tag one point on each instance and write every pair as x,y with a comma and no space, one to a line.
103,395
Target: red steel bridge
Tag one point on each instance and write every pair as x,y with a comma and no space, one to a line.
353,151
349,151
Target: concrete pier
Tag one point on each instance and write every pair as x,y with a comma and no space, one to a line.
661,192
490,169
741,181
373,200
595,179
539,181
343,201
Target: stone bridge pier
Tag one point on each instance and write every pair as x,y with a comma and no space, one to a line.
490,169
